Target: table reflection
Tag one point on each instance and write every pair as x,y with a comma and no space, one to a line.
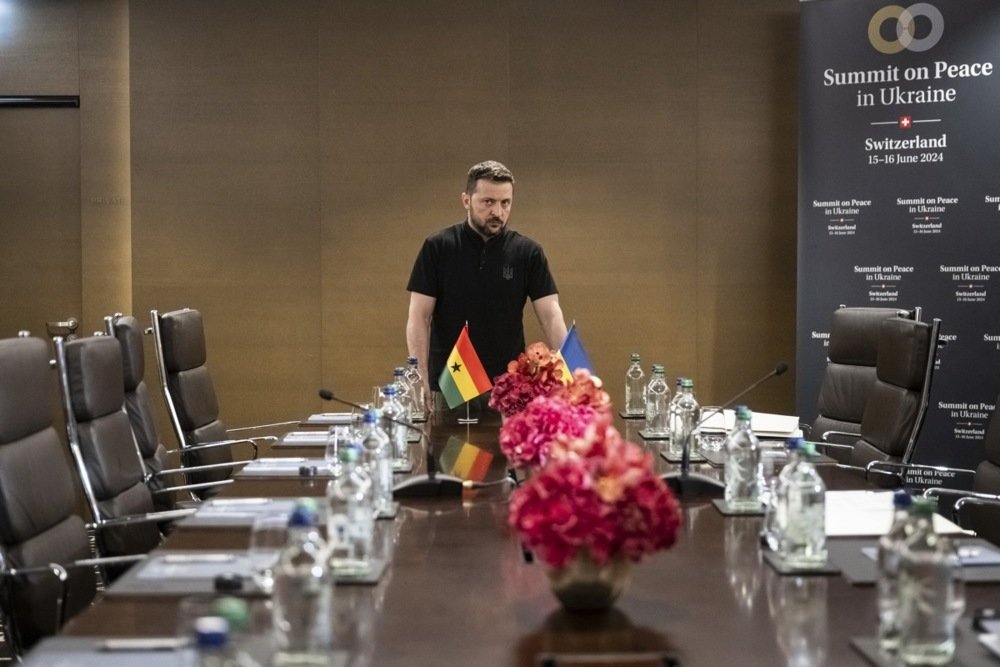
743,560
798,606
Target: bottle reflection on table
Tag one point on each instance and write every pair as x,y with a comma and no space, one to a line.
798,606
743,560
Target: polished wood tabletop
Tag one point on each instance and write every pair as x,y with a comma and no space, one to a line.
459,590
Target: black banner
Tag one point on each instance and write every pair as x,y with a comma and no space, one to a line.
899,193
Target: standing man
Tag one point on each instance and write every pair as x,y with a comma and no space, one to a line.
482,272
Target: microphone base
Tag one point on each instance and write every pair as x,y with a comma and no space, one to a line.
691,485
425,486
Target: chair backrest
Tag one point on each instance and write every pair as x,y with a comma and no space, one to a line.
850,371
986,520
102,444
897,403
179,338
127,330
38,524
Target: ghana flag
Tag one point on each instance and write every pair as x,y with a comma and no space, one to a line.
463,376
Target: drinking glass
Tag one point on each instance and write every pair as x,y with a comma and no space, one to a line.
338,435
268,537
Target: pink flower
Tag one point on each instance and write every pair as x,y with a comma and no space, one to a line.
525,438
598,493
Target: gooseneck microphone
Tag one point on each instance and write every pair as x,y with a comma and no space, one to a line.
430,485
687,484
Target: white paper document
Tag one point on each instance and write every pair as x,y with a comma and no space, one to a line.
869,514
763,424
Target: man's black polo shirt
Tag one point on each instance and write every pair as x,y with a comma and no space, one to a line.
484,282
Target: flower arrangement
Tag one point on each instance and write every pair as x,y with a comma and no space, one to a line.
535,372
566,410
597,497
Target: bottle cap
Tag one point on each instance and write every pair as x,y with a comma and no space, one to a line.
794,444
743,413
388,390
902,499
399,371
306,512
370,417
923,506
411,361
348,454
234,610
687,383
211,632
635,356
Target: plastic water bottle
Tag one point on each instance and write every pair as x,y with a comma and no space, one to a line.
801,509
657,402
392,414
418,399
635,382
890,547
350,522
378,461
684,422
673,451
403,392
303,591
212,644
931,591
742,461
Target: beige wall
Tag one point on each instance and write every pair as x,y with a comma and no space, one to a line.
285,160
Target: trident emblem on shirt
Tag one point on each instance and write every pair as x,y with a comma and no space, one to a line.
508,272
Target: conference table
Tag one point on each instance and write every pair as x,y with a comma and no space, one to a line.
460,590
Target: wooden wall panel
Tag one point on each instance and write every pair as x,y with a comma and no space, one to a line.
747,139
225,193
40,167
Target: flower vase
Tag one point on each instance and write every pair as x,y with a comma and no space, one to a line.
583,585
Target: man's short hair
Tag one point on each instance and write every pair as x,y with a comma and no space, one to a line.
491,170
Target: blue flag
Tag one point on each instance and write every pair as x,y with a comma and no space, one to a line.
573,353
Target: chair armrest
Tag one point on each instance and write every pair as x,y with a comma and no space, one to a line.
849,434
191,487
59,569
260,427
831,445
252,442
981,499
146,517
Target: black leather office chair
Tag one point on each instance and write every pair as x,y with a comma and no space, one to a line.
46,570
156,458
848,378
189,392
104,449
976,508
897,404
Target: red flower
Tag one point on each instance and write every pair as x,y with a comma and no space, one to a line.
536,372
526,436
598,493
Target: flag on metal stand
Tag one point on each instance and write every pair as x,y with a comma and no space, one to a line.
463,376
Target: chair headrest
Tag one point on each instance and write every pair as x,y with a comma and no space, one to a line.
183,340
903,349
26,383
94,368
854,335
129,335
